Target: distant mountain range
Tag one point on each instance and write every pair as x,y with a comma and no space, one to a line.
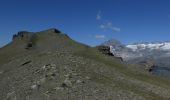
164,46
157,52
136,50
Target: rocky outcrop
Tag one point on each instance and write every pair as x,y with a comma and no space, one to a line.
105,50
52,30
149,65
29,45
24,35
28,35
28,38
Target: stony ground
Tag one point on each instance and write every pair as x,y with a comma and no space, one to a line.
65,76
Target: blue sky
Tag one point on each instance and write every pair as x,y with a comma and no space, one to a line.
88,21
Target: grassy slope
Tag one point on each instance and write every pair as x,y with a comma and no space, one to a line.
148,86
141,78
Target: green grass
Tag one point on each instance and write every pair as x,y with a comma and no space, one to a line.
34,39
120,85
93,54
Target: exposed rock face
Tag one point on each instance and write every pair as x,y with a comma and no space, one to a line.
149,65
28,38
52,30
119,49
14,37
105,50
22,35
29,45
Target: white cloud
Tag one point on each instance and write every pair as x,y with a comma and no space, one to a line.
115,29
109,26
100,36
98,17
106,25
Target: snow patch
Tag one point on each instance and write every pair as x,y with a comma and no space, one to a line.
152,46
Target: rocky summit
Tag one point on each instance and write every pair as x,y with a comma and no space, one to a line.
49,65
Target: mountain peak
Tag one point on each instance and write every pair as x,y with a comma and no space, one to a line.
22,35
112,42
25,35
50,39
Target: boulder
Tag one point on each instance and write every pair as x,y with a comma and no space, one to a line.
105,50
149,65
29,45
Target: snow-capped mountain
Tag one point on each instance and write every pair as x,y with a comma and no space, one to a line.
157,53
138,50
165,46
